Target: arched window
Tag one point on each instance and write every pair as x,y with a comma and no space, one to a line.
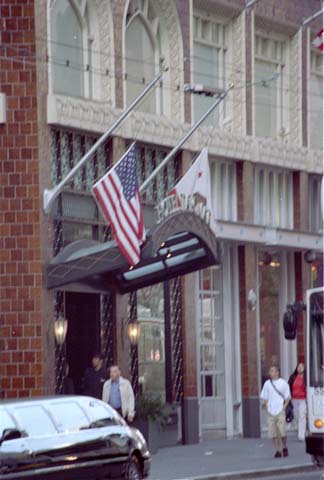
71,42
142,51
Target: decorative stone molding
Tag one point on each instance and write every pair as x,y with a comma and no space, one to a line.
96,117
168,16
295,87
106,49
238,97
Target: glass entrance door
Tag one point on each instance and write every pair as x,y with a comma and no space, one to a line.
211,350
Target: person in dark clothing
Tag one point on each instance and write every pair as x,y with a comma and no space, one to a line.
68,385
95,377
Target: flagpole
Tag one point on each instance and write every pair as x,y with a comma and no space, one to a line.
50,194
184,139
312,17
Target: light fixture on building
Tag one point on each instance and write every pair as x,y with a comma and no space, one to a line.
252,300
310,256
133,332
60,330
265,259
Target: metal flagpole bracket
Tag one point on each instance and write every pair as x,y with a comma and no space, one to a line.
49,195
184,139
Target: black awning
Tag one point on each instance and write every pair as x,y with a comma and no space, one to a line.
181,244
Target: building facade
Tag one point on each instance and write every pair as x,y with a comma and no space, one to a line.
68,70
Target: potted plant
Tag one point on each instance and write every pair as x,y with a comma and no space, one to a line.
149,417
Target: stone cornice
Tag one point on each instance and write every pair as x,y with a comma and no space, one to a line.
96,117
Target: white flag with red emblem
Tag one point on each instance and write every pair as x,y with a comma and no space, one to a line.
196,184
319,40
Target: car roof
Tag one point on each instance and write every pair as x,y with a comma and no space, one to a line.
48,399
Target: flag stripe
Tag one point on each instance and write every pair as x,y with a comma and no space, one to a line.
120,199
123,242
121,221
124,204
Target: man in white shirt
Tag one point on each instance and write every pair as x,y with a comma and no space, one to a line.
276,395
118,392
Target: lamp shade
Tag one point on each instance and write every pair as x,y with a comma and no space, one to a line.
60,330
133,332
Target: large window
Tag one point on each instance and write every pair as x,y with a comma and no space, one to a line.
71,45
314,203
269,289
270,91
273,198
224,190
209,64
316,100
143,55
151,355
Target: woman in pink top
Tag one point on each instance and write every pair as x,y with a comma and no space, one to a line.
297,383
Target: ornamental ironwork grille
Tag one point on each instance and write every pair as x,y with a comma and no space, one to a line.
77,215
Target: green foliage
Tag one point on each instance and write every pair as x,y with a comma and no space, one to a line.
150,407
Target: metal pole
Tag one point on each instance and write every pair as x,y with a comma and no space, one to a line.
50,194
312,17
250,3
183,140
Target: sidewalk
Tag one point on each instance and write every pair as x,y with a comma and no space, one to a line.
227,459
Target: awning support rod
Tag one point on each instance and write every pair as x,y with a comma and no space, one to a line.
184,139
50,194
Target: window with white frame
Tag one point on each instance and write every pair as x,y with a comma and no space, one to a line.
271,88
71,45
316,100
224,190
273,198
314,203
143,54
209,64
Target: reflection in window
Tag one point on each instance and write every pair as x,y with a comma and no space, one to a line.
211,333
71,48
316,100
69,416
209,66
151,350
269,284
142,54
273,198
270,92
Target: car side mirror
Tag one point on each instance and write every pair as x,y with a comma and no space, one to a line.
10,434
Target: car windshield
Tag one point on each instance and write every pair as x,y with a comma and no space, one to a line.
101,415
316,340
69,416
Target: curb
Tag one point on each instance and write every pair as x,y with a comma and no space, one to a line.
250,474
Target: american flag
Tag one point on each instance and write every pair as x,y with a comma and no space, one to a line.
319,40
118,196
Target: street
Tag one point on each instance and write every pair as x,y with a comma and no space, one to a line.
317,475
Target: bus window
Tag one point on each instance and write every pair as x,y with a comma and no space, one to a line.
316,328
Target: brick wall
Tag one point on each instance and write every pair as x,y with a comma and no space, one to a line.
20,263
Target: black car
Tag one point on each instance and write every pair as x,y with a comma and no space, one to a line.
68,437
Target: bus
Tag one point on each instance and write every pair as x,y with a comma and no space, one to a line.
314,367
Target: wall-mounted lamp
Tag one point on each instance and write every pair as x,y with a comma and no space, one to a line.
133,332
310,256
60,330
252,300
